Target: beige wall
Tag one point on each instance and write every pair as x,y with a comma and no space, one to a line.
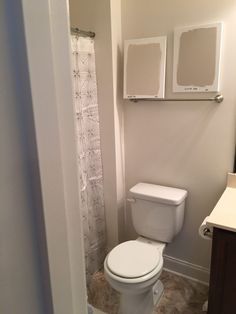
117,70
186,145
21,278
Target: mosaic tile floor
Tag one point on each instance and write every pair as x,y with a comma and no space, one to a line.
181,295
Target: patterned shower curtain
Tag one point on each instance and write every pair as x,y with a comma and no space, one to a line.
89,152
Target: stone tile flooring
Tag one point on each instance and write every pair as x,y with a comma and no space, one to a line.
181,295
96,311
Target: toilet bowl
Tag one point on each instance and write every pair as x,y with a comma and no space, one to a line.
133,268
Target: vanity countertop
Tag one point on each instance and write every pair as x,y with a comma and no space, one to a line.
223,215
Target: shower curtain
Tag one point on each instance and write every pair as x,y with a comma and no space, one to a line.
89,152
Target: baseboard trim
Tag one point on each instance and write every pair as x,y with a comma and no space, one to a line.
187,270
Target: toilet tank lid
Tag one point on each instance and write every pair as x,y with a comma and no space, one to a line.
158,193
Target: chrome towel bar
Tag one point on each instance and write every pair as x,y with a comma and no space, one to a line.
218,99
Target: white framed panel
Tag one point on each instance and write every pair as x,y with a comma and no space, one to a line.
197,54
144,67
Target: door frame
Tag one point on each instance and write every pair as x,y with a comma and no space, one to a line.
47,32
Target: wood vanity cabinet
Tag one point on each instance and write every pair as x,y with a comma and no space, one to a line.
222,291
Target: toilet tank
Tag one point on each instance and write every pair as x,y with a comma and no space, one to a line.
157,211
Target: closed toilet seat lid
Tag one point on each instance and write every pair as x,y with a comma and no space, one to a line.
133,259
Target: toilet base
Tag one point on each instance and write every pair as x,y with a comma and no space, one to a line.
141,303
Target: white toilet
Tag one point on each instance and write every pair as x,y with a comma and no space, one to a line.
133,268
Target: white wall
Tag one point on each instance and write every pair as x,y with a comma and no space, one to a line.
21,277
49,54
186,145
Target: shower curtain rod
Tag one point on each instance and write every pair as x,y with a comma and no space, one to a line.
81,32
